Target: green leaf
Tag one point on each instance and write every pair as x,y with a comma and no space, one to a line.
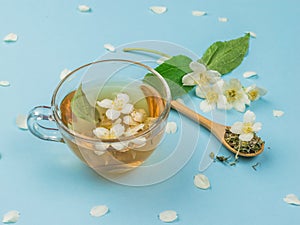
82,108
226,56
173,70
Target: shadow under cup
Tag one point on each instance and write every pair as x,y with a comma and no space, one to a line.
75,114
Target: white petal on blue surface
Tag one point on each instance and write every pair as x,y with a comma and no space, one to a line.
168,216
21,121
84,8
4,83
171,128
11,216
99,210
11,37
292,199
201,181
158,9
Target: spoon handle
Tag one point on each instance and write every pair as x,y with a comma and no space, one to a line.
192,114
217,129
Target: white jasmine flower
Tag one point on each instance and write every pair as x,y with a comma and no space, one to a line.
235,95
115,132
117,106
255,92
133,130
246,128
200,75
137,116
213,96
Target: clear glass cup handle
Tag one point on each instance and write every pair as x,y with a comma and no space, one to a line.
38,114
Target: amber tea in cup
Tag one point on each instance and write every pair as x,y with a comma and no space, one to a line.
108,114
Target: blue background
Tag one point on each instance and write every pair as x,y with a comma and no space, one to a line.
49,185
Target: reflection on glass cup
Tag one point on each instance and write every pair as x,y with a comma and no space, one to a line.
93,101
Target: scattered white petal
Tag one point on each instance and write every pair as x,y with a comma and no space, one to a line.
84,8
292,199
4,83
249,74
278,113
21,121
64,73
252,34
110,47
223,19
162,60
198,13
11,37
158,9
168,216
99,210
11,217
171,128
201,181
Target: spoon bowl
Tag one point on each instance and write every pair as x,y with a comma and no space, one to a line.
215,128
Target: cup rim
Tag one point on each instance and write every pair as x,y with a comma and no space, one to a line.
162,116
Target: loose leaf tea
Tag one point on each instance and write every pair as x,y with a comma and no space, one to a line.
252,146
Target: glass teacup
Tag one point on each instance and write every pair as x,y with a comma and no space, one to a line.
109,114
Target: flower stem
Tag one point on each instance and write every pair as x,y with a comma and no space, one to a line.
147,50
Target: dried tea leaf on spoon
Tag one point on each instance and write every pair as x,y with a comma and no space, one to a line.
99,210
291,199
168,216
201,181
158,9
11,217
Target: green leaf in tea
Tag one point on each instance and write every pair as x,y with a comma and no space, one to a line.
226,56
173,70
82,108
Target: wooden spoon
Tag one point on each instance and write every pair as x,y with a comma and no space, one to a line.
215,128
